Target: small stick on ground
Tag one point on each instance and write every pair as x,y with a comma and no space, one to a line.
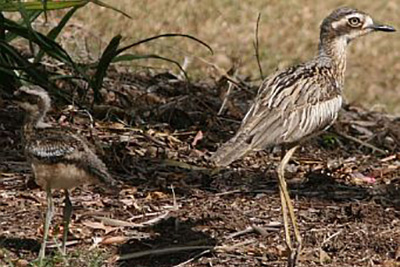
225,98
120,223
174,197
351,138
193,258
161,251
256,47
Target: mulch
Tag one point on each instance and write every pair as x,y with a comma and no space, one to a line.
156,132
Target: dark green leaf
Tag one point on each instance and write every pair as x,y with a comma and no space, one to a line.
33,15
27,22
100,3
130,57
52,48
104,62
22,64
37,5
52,35
167,35
8,78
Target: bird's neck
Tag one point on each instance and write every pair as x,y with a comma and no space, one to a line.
34,121
334,50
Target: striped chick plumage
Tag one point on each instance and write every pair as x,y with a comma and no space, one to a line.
60,159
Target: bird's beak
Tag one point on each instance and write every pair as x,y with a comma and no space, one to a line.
382,28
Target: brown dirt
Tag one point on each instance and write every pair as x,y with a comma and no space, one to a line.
346,191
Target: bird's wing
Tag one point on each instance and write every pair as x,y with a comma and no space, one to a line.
289,106
57,146
53,146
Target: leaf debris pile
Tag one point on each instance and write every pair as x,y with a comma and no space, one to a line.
155,133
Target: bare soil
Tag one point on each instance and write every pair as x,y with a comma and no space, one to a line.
155,133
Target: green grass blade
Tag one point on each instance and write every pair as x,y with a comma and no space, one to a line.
104,62
52,35
33,15
8,79
102,4
27,21
22,64
38,5
51,48
167,35
130,57
44,2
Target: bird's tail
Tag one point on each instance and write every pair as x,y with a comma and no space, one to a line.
99,170
232,150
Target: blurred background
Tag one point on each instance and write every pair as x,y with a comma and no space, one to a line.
288,34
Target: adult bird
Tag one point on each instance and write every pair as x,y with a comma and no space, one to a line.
300,101
59,158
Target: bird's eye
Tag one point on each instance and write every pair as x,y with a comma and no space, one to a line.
354,21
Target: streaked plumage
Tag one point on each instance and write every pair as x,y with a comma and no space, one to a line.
60,159
55,147
297,102
302,100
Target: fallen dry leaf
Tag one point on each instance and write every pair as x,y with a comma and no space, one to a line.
21,263
358,178
324,257
94,225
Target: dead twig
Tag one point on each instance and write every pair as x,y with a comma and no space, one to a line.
185,65
331,237
114,222
256,47
226,248
174,197
228,193
253,228
154,252
183,165
263,231
228,92
351,138
239,233
193,258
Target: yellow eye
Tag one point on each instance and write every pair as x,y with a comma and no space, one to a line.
354,21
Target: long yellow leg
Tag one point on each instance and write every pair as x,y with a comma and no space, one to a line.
285,220
288,208
49,215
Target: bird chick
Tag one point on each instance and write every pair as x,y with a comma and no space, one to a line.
59,158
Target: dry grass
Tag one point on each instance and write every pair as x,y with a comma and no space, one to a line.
288,34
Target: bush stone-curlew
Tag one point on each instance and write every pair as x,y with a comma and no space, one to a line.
60,159
298,102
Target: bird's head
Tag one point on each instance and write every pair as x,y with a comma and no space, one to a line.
34,100
348,23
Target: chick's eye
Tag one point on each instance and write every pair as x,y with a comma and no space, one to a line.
354,21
